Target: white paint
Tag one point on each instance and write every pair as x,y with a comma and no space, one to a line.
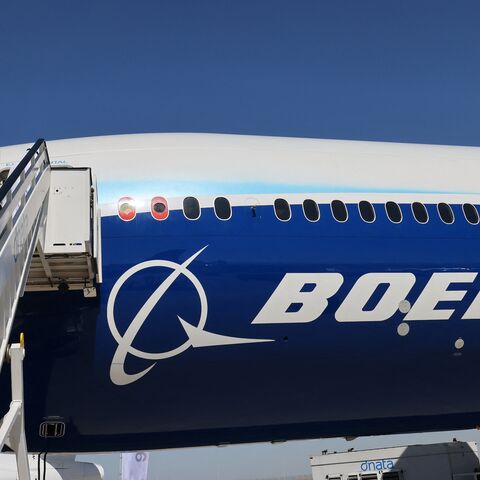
436,291
200,338
473,311
68,220
313,303
352,308
57,467
404,306
134,465
118,375
403,329
226,159
439,461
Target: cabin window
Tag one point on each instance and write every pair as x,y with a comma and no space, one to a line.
339,211
191,208
159,208
367,212
471,213
282,209
420,212
311,210
446,213
126,209
394,212
222,207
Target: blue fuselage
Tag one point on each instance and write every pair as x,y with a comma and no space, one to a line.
313,379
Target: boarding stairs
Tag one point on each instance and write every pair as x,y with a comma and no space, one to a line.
49,242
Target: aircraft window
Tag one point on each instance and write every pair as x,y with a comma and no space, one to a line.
126,209
367,212
339,211
223,210
394,212
159,208
420,212
446,213
191,208
311,210
471,213
282,209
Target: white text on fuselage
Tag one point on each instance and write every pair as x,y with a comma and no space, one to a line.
309,294
298,298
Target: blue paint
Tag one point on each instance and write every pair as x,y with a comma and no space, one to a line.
112,190
376,465
313,380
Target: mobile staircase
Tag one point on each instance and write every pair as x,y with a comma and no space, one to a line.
49,241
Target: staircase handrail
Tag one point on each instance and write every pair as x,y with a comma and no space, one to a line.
13,189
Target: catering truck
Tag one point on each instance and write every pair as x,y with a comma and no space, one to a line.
439,461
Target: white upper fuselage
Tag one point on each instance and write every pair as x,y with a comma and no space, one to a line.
206,165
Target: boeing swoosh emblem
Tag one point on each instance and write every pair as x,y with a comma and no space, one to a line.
197,335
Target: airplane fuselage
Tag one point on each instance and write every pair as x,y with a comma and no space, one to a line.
260,326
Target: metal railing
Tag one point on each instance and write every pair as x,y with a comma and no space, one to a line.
23,205
18,186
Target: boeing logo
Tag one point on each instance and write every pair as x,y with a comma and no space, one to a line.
311,292
308,293
197,335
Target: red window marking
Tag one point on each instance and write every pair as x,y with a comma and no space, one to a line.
159,208
126,209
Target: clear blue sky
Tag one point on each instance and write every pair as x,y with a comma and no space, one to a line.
403,70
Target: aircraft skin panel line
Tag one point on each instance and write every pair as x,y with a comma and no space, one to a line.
330,289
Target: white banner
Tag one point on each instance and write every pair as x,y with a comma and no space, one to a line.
135,466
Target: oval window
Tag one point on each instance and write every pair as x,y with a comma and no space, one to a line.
191,208
311,210
394,212
339,211
126,209
471,213
159,208
282,209
367,212
222,207
446,213
420,212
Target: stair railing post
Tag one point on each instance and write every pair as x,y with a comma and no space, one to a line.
18,442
